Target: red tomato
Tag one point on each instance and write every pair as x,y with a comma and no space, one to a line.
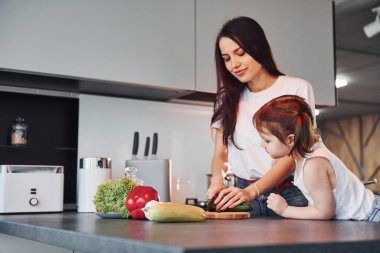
138,214
138,198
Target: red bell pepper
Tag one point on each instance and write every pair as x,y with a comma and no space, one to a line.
137,199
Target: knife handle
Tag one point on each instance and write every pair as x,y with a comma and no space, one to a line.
147,143
155,144
135,147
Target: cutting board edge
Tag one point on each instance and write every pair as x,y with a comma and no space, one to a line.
228,215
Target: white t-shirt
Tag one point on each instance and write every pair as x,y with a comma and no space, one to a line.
252,162
352,199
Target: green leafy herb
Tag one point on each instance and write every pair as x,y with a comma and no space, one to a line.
110,196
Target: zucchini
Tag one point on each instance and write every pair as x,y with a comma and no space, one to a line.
244,207
174,212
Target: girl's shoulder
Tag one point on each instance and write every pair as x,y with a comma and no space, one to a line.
319,155
316,170
317,161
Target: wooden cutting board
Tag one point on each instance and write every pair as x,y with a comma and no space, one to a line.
228,215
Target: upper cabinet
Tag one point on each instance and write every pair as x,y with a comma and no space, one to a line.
160,43
300,34
146,42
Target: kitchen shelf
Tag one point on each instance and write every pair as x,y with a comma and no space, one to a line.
52,133
35,148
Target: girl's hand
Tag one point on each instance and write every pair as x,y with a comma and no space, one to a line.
231,197
216,185
277,203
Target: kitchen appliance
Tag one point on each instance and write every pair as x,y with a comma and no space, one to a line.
31,188
155,173
195,202
152,171
91,173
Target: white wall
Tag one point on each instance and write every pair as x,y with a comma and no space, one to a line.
106,127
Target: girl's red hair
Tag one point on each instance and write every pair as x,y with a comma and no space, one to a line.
284,115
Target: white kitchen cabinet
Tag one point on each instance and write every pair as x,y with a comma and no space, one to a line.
144,42
300,33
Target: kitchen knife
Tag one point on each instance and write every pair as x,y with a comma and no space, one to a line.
147,143
135,147
154,146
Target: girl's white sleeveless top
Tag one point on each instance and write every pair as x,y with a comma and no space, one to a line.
352,199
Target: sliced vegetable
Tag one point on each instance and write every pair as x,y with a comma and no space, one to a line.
244,207
175,212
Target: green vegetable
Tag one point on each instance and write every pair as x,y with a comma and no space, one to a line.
244,207
110,196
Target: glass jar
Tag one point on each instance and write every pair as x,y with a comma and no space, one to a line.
19,132
131,172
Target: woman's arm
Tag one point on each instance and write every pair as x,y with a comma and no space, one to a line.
282,169
231,197
218,165
317,182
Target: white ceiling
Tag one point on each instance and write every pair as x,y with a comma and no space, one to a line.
357,60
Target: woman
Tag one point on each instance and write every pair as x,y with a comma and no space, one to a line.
247,78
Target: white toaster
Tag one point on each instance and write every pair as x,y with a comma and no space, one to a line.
31,188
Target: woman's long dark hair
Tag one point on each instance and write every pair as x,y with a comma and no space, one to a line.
249,35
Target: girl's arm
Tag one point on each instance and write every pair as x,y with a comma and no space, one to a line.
231,197
218,165
281,170
317,182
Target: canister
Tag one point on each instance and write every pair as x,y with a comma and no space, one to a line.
92,172
18,132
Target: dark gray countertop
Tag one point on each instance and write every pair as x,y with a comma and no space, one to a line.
89,233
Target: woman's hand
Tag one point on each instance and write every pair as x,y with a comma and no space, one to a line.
216,185
231,197
277,203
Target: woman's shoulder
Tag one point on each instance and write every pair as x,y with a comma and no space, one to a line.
296,81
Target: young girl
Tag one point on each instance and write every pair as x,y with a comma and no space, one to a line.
333,191
247,78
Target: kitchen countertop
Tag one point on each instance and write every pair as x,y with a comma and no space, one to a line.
89,233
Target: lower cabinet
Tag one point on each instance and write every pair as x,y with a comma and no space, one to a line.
16,244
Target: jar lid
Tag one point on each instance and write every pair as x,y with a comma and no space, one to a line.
95,163
19,120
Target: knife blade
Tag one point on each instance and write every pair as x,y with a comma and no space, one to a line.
154,146
147,144
135,146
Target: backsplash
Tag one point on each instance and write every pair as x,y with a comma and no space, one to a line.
107,125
